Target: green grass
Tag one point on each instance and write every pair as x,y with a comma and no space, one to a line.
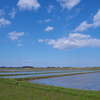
11,89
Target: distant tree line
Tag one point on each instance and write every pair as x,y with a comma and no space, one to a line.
52,67
33,67
18,67
27,67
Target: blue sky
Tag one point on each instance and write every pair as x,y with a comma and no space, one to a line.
43,33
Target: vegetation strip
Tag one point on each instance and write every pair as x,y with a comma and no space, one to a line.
32,78
11,89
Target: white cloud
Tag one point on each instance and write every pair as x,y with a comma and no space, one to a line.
14,35
40,40
73,41
18,45
50,8
28,4
69,4
28,61
32,42
96,20
76,12
19,40
39,21
70,17
1,12
78,36
12,14
4,22
49,28
47,20
83,26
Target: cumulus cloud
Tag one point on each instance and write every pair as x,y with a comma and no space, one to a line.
14,35
40,40
49,28
83,26
1,12
47,20
50,8
12,14
4,22
69,4
18,45
28,4
73,41
96,20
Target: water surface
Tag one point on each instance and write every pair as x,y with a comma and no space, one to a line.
37,75
89,81
46,71
42,74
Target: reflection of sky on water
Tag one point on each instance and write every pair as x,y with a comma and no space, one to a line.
83,81
36,75
29,72
46,71
41,74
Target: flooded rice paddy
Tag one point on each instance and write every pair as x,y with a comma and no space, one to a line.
89,81
38,73
35,71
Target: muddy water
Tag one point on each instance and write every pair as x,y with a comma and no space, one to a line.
83,81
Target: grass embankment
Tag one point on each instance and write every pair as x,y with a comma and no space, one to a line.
11,89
